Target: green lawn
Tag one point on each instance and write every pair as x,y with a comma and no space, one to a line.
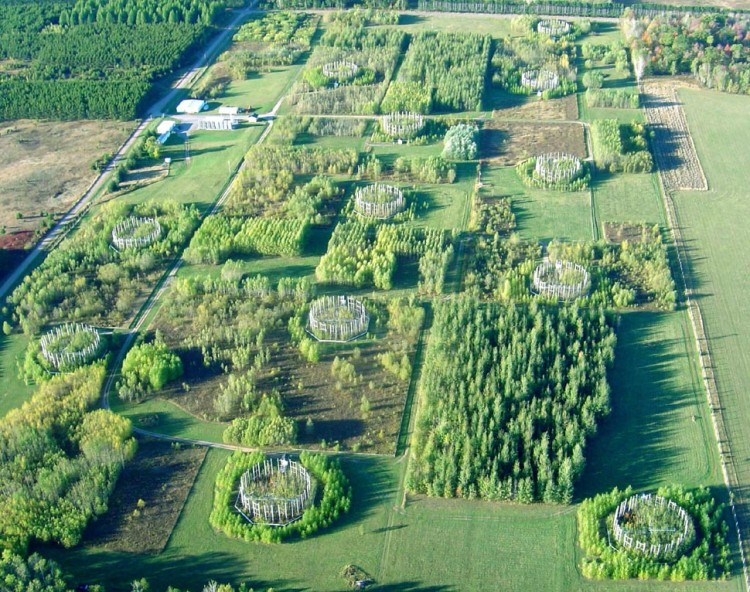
659,431
542,215
714,225
13,391
453,23
628,198
430,545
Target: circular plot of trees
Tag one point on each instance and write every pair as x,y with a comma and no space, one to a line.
563,280
135,232
558,167
540,80
274,492
403,124
553,27
337,318
653,525
341,70
70,345
379,201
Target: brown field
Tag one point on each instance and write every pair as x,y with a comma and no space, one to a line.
508,143
46,165
159,475
616,233
521,107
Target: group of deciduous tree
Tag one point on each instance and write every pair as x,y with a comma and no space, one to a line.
59,460
86,279
510,395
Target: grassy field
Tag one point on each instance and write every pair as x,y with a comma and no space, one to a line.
627,198
714,227
659,431
430,545
542,215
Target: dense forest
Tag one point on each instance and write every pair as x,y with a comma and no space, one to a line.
95,59
59,460
510,395
441,72
714,48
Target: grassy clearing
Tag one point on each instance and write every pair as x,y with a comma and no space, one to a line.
413,22
148,499
628,198
542,215
13,391
431,544
659,431
714,226
196,181
259,92
196,553
44,165
164,417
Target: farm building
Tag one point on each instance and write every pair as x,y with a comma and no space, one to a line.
164,130
218,123
228,110
191,106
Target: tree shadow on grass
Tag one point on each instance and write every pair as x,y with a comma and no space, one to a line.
116,570
636,443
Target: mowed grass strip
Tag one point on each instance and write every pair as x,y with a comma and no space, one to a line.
715,229
542,215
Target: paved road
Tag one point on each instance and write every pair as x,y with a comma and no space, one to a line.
67,221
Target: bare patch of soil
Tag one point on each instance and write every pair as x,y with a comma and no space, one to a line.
617,233
508,143
522,107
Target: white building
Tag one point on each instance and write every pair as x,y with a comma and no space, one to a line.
164,130
191,106
228,110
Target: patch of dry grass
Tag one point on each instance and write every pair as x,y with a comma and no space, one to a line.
46,165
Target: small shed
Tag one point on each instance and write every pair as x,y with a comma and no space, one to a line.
228,110
191,106
164,130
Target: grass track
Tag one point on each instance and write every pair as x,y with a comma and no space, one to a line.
714,226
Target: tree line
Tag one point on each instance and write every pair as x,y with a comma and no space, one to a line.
95,59
714,48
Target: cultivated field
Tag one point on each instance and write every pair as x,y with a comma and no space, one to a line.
674,151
